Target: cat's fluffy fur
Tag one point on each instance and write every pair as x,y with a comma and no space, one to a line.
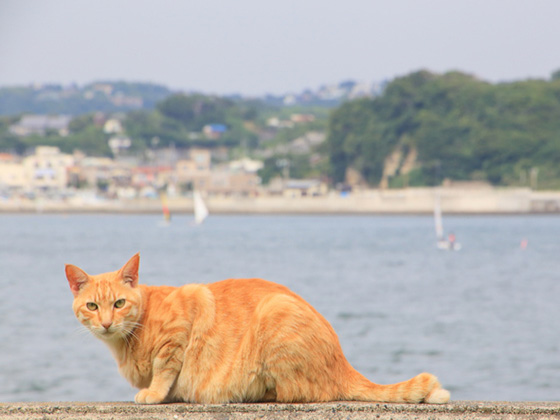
230,341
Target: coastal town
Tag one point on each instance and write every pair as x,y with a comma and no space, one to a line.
347,148
51,181
49,176
108,145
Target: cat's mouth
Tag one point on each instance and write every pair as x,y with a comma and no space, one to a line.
106,333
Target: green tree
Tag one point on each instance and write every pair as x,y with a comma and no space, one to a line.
462,128
195,111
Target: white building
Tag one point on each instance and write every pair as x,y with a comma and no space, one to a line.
12,175
47,169
246,165
113,126
40,124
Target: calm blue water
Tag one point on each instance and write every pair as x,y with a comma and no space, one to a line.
485,320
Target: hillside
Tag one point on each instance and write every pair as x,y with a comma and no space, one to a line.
427,127
233,128
419,130
76,100
109,97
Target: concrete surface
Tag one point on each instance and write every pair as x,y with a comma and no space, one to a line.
337,410
405,201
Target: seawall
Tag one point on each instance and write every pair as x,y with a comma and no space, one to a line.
406,201
338,410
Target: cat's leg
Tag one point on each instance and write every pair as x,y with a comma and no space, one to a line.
300,351
166,367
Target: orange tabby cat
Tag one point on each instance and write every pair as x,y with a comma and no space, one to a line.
231,341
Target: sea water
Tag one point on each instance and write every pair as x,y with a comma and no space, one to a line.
485,319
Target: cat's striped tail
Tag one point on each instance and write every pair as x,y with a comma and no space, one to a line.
422,388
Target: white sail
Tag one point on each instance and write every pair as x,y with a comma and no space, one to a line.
200,209
442,242
437,217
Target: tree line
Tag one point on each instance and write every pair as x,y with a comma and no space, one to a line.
460,128
453,125
176,120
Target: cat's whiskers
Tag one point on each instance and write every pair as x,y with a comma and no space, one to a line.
127,339
130,331
82,331
133,327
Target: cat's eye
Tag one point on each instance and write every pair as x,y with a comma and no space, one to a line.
119,303
91,306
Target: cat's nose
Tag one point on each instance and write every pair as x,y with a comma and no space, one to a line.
106,325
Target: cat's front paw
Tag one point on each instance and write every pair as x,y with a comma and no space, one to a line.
146,396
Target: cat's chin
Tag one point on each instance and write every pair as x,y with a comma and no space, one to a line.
107,335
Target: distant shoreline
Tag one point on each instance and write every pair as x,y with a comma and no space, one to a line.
413,201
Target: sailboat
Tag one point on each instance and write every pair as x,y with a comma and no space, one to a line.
445,244
200,209
165,209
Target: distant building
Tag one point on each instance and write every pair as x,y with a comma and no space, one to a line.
196,169
304,188
40,124
361,90
47,169
7,157
302,118
119,99
275,122
306,143
236,178
331,92
97,172
104,88
214,131
112,126
289,100
119,143
227,183
152,176
12,175
246,165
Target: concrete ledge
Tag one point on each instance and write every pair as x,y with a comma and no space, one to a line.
454,200
338,410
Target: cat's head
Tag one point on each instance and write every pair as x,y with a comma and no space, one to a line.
108,304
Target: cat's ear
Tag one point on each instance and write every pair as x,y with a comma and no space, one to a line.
77,278
129,271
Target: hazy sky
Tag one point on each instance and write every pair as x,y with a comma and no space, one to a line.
258,46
